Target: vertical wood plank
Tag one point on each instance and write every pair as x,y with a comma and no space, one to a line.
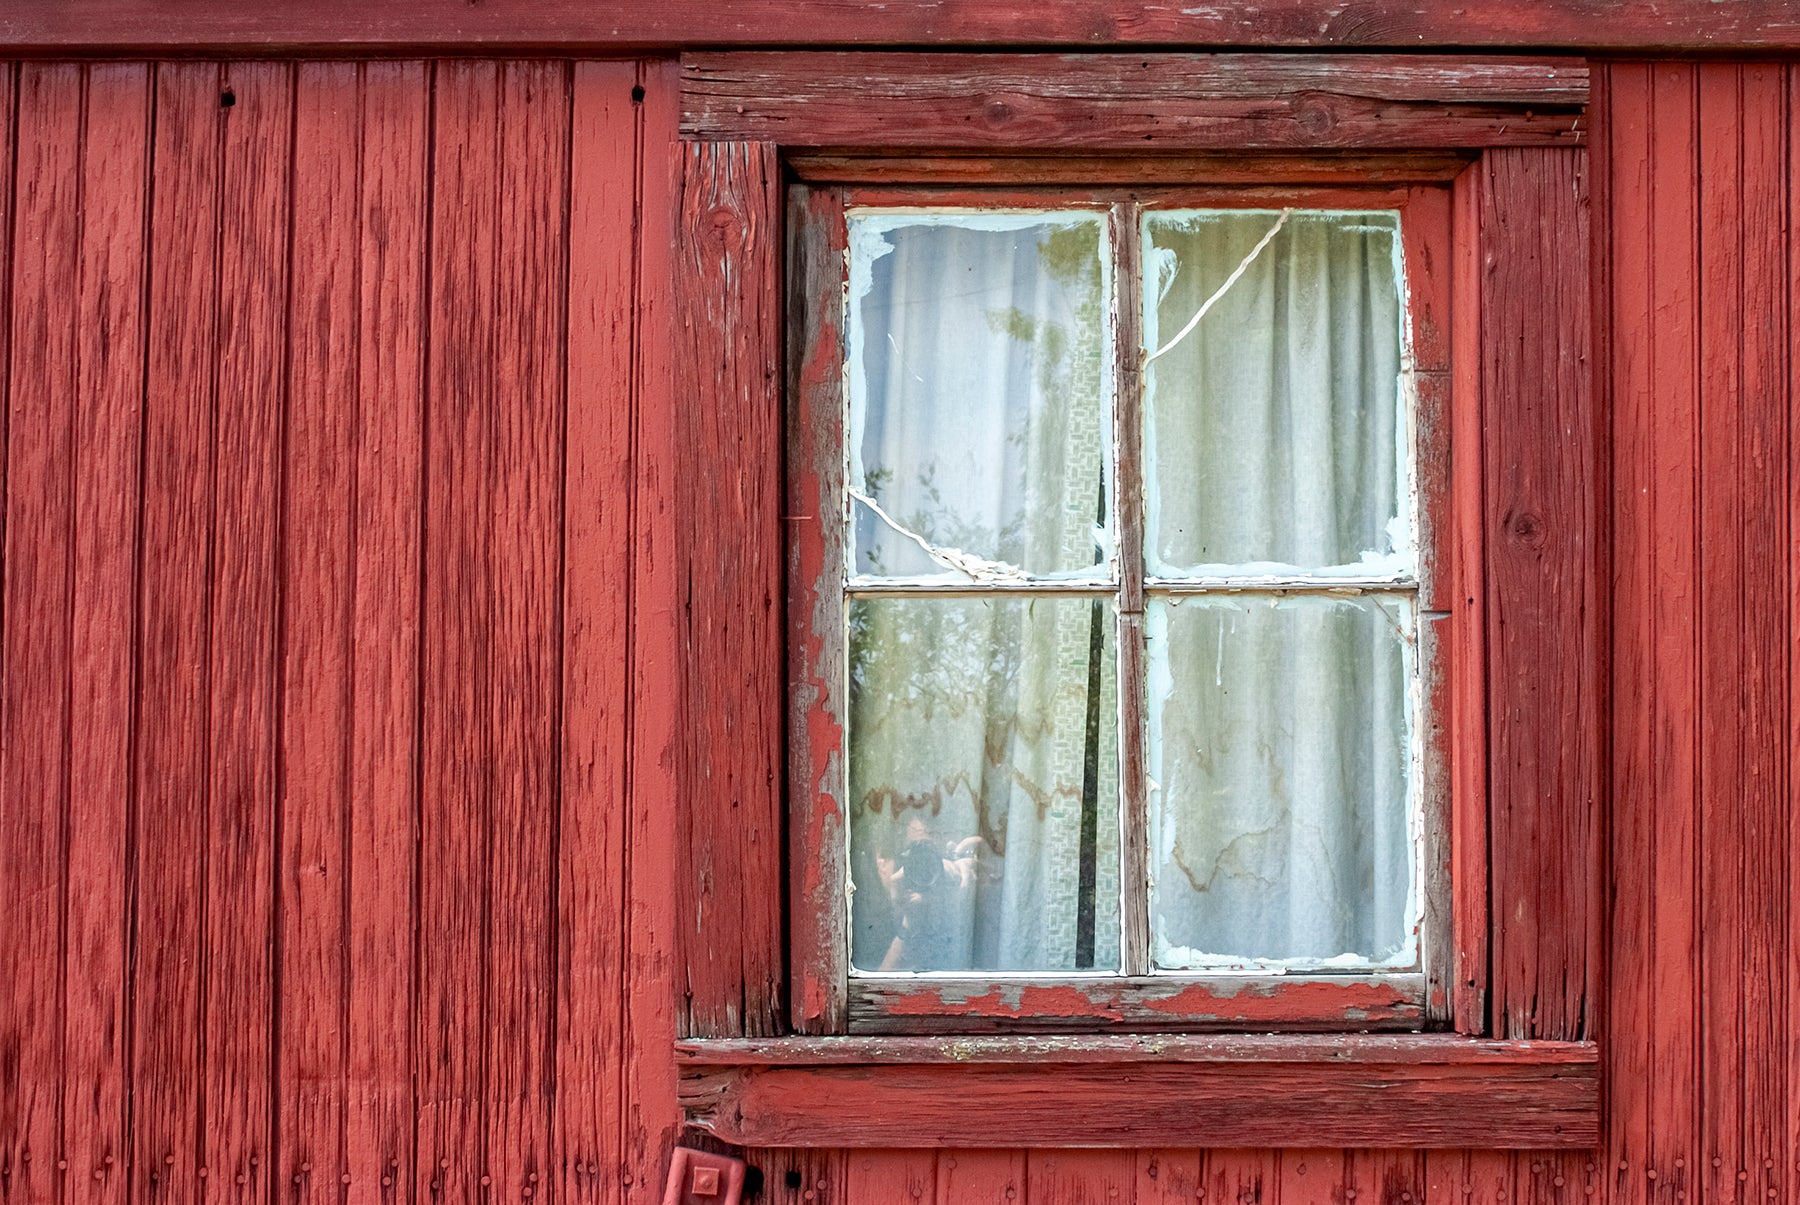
1545,604
1466,657
385,622
1238,1177
110,380
319,572
1630,973
650,1116
981,1177
1671,779
1318,1177
1744,430
174,607
236,964
1170,1177
598,538
877,1177
814,536
34,640
729,806
801,1177
524,498
1653,1044
457,803
1724,646
1087,1177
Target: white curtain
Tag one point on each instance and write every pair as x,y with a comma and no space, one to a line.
1279,726
984,730
983,768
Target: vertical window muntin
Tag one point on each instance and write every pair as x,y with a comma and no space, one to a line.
1390,583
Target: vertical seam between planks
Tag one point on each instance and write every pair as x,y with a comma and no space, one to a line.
633,512
202,962
429,182
278,667
553,910
153,75
1649,551
488,398
1743,496
1697,566
67,753
1781,1139
353,567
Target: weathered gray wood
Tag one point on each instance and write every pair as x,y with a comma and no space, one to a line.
1132,102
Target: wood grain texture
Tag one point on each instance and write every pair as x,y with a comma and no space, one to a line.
1743,538
38,610
1654,1043
1131,102
525,500
525,26
1545,605
1359,1092
319,573
649,1113
381,909
237,889
174,604
592,854
110,377
730,816
456,805
814,537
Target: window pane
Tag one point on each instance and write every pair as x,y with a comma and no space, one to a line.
984,822
1280,805
979,390
1274,428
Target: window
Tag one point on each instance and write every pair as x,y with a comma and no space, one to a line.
1490,583
1131,695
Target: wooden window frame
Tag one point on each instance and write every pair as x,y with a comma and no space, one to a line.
767,1055
1137,998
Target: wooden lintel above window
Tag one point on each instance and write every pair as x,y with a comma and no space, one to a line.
1139,102
1238,1090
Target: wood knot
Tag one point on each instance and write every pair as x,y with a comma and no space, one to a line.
1526,528
997,112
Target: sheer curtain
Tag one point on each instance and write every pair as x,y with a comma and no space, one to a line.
984,742
1280,725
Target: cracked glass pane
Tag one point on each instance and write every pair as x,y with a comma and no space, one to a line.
1281,781
984,823
980,394
1275,430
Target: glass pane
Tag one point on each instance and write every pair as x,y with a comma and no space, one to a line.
1280,801
984,825
979,392
1274,431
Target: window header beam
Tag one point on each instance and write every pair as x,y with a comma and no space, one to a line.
1136,103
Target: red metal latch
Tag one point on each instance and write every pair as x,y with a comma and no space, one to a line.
703,1178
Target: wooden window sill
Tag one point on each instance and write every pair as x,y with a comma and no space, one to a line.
1251,1090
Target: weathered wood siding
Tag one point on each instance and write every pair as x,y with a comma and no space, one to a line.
345,601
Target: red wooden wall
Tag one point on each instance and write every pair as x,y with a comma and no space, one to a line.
339,612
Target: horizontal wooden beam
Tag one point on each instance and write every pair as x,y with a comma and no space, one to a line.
1187,169
1245,1090
56,27
1120,102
